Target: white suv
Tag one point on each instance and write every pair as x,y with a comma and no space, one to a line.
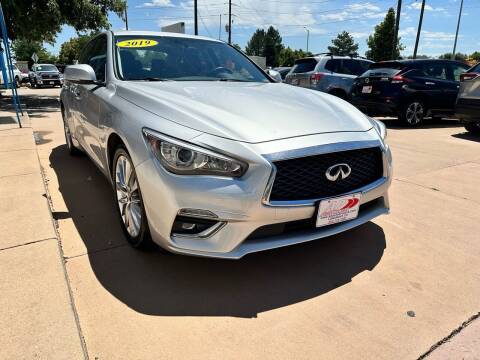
468,101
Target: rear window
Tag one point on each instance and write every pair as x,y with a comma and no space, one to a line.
476,68
382,72
304,65
387,65
354,67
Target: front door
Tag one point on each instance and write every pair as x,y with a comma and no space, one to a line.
89,99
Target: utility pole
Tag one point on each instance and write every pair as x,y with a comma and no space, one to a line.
230,21
195,15
220,28
126,16
419,30
456,34
308,35
397,27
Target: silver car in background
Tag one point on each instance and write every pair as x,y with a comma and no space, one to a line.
468,101
328,73
209,157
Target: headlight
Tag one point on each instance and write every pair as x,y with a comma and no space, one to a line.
379,127
183,158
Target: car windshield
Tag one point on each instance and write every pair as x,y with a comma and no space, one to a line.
46,68
163,58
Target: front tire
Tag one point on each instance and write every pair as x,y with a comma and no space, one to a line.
413,113
72,149
130,202
473,128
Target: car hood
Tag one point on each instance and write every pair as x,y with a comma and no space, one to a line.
249,112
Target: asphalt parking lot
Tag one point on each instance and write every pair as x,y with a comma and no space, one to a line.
390,289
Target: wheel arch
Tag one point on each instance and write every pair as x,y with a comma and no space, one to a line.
338,92
114,140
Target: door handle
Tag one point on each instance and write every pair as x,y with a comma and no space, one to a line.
429,83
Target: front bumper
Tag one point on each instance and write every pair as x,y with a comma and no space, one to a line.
468,110
376,107
240,203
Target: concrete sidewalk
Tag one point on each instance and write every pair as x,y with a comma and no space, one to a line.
37,317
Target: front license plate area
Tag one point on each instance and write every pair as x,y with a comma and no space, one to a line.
340,209
367,89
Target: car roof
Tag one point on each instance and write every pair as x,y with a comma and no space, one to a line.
160,33
413,61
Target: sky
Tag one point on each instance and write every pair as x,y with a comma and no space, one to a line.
324,19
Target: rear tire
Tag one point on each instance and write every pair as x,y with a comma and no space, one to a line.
473,128
129,199
412,113
72,149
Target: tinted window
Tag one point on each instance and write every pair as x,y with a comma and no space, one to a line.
182,59
354,67
436,70
476,68
381,72
333,65
387,65
95,55
457,70
46,68
304,65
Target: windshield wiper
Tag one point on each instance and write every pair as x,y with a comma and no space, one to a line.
150,79
234,80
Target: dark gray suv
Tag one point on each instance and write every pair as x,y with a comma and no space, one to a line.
328,73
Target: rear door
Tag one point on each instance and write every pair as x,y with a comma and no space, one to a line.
453,85
438,86
302,71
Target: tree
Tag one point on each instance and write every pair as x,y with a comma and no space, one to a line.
475,56
458,56
343,44
288,56
238,47
70,50
381,42
41,20
266,43
24,49
273,46
256,44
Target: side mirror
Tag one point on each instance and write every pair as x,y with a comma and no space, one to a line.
275,75
80,74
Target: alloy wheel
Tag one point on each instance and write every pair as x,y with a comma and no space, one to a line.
414,113
128,195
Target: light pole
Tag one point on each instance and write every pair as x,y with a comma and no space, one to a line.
456,34
308,35
419,30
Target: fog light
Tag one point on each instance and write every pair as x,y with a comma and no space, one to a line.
195,227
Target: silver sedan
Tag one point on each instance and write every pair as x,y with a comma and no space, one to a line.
209,156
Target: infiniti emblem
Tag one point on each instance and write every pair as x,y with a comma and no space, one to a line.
367,80
338,171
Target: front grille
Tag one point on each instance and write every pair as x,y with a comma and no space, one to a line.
47,76
305,179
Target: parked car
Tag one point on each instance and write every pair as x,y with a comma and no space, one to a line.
283,70
218,160
18,76
468,101
410,89
45,75
328,73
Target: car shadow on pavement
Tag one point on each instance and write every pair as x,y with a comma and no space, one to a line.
394,123
172,285
467,136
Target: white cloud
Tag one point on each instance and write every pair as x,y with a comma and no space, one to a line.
363,7
411,32
418,6
156,3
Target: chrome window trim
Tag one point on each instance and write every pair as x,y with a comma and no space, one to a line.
318,150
